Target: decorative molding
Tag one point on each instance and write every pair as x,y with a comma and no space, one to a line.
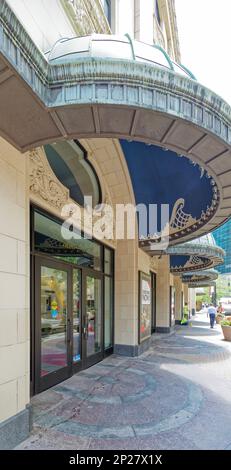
158,35
194,248
117,83
83,81
194,263
179,219
201,256
182,223
200,276
174,30
86,16
201,284
43,182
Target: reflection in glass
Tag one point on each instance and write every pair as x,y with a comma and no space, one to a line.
76,315
53,319
108,314
68,161
107,261
52,238
149,53
93,315
112,49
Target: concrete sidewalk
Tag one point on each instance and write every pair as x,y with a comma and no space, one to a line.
175,396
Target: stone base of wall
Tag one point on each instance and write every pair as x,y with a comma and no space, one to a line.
164,329
126,350
15,429
136,350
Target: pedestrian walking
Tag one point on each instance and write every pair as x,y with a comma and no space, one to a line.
212,314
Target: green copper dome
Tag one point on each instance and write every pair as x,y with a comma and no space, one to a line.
112,46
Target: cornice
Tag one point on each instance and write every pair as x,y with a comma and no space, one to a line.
203,276
19,49
102,87
197,249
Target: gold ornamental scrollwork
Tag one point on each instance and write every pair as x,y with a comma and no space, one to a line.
43,182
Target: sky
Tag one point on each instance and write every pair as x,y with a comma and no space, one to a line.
205,41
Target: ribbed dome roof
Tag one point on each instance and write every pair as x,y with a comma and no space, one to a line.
112,47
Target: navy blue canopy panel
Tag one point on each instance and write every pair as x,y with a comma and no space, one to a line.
188,263
163,177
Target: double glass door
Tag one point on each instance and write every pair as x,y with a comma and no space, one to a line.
69,321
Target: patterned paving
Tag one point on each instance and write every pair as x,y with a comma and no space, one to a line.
163,399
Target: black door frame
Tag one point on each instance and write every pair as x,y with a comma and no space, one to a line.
90,360
153,280
43,383
46,257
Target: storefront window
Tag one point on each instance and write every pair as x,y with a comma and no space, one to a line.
53,301
94,315
73,287
76,315
145,323
107,261
51,240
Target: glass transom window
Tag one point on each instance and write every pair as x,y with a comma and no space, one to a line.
69,162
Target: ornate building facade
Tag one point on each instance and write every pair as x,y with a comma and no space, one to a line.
97,103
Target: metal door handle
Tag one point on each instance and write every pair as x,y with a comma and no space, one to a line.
85,332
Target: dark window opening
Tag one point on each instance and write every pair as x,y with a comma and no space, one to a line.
157,11
107,9
69,163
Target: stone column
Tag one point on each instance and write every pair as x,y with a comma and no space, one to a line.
163,295
186,293
109,161
186,297
192,301
126,298
178,287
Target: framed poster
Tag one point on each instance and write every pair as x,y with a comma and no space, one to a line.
145,310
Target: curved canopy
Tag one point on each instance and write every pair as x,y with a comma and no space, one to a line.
195,255
162,177
111,87
200,278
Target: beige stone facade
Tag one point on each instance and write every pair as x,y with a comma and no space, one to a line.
17,192
14,282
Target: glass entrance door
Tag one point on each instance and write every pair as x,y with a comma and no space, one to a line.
53,324
69,328
93,324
